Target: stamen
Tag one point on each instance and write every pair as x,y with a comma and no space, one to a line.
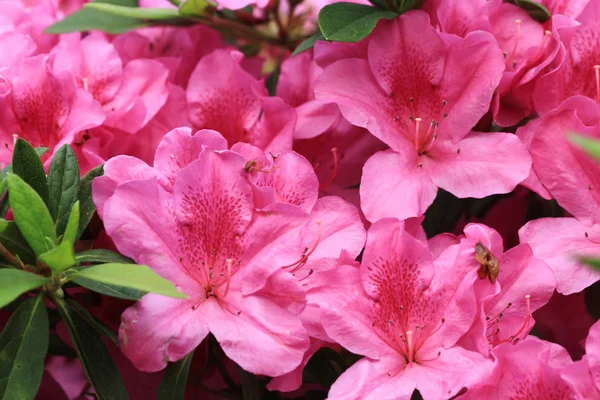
307,275
597,70
417,139
335,169
514,50
228,262
300,263
523,327
85,84
539,49
439,353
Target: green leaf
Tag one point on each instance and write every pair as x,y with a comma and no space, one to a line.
130,276
3,224
95,358
60,258
15,282
110,290
31,214
592,262
308,43
70,234
272,79
100,326
156,14
86,204
27,164
193,8
14,242
350,22
23,348
173,384
63,183
590,146
102,256
535,10
93,20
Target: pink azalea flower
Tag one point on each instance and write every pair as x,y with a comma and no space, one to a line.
571,177
131,94
570,8
579,73
296,87
44,107
223,96
530,370
584,375
207,237
404,311
525,284
423,105
461,16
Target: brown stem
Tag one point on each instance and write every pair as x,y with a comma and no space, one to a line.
9,257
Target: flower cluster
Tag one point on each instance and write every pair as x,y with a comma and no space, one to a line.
407,210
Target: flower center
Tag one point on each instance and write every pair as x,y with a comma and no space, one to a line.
424,134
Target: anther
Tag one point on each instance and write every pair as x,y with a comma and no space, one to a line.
300,263
85,84
172,156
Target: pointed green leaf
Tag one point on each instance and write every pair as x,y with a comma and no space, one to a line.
94,20
86,204
11,238
31,214
193,8
174,382
100,326
590,146
70,234
308,43
102,256
97,362
3,224
350,22
130,276
60,258
536,10
63,183
27,164
15,282
23,348
592,262
110,290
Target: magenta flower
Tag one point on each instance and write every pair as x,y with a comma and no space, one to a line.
530,370
206,236
223,96
412,92
584,375
404,311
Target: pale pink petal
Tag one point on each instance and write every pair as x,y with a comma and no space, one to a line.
393,185
558,242
578,376
476,165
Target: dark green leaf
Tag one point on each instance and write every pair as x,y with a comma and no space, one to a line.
102,256
308,43
535,10
95,358
14,242
100,326
130,276
27,164
86,204
31,214
23,347
590,146
56,347
63,182
193,8
93,20
350,22
110,290
250,386
443,214
72,227
15,282
173,384
59,258
592,262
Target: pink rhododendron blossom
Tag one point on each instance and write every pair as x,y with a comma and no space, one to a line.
46,108
584,375
529,370
423,105
212,243
525,284
223,96
404,311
